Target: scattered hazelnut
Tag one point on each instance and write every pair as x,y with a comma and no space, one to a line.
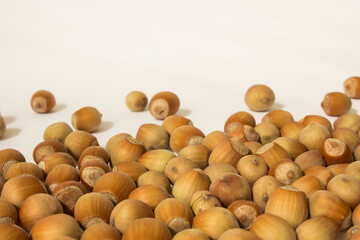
136,101
259,98
42,101
87,119
164,104
57,131
352,87
336,104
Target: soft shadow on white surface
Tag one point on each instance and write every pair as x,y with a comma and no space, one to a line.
9,119
277,106
10,133
184,112
58,107
105,126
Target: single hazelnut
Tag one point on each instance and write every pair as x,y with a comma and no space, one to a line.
24,168
164,104
286,171
36,207
184,136
115,185
136,101
310,158
8,212
154,177
93,208
53,159
91,171
46,147
59,174
228,151
267,132
336,104
57,131
87,119
110,144
336,151
259,98
9,231
347,135
291,129
133,169
9,157
77,141
42,101
18,189
127,150
272,153
349,120
199,154
352,87
153,136
56,225
68,193
277,117
156,159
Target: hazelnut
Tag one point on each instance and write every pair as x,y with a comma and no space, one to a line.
68,194
153,136
46,147
164,104
259,98
91,171
136,101
277,117
24,168
184,136
36,207
267,132
114,140
87,119
336,104
352,87
78,140
18,189
93,208
127,150
59,174
133,169
291,129
57,131
9,157
42,101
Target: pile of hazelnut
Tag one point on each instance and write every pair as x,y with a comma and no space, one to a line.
279,179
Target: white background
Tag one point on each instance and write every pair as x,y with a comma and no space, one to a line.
92,53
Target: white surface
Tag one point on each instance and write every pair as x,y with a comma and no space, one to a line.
208,52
